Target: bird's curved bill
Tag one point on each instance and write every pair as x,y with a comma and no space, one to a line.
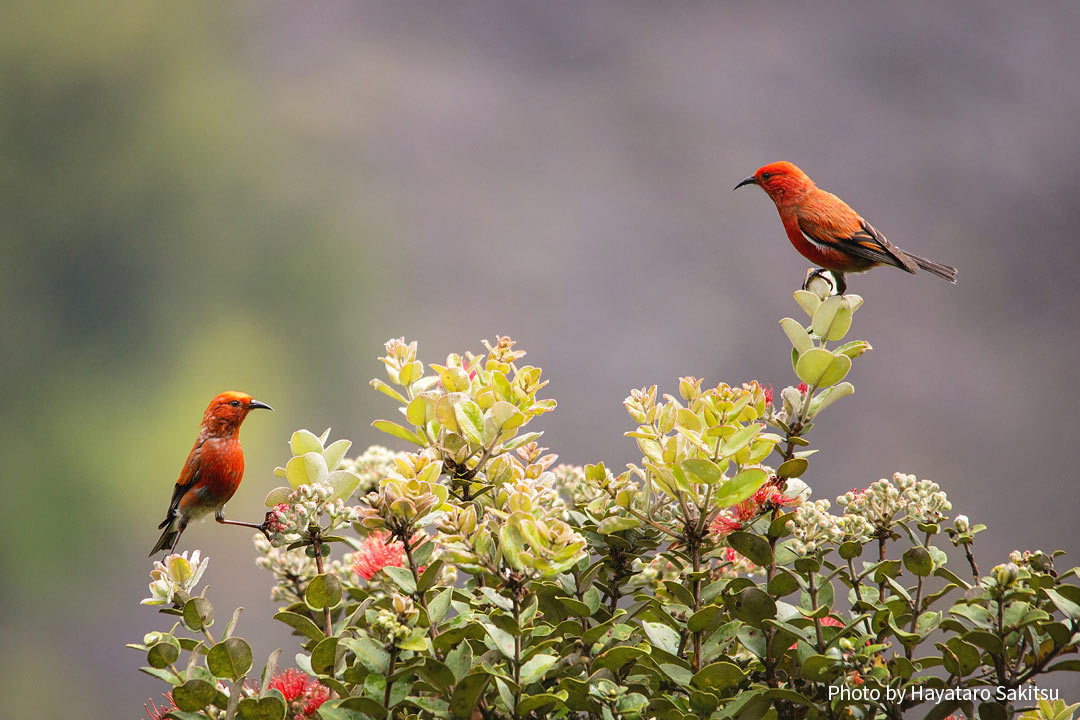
255,404
748,181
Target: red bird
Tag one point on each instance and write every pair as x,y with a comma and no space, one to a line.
828,232
213,470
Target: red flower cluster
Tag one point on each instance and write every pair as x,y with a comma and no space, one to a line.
376,553
303,693
766,497
157,713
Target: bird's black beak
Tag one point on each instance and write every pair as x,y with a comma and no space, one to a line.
748,181
255,404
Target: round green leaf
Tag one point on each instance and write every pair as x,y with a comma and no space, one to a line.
820,368
194,695
792,468
271,707
752,606
833,319
721,676
850,549
163,654
753,547
323,592
918,561
198,614
230,658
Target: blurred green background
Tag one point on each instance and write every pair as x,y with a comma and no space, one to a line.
205,196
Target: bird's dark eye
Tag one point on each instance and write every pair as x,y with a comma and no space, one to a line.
235,403
766,176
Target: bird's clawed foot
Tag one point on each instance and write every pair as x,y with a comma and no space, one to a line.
837,284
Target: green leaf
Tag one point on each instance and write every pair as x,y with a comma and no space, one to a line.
751,605
536,667
163,654
808,301
194,695
740,439
702,471
301,624
720,676
277,496
534,702
230,658
324,656
417,641
304,441
387,390
821,368
706,619
460,659
270,707
1066,606
402,577
392,428
470,420
368,653
792,468
740,487
833,319
466,694
830,395
615,523
437,674
850,549
439,606
343,483
917,560
753,547
421,410
323,592
662,636
796,333
503,640
306,469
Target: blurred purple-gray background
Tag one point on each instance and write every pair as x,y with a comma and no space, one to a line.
255,196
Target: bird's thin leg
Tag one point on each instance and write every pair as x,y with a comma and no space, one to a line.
220,517
176,540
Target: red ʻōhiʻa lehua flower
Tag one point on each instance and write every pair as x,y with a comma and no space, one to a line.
828,232
303,694
213,470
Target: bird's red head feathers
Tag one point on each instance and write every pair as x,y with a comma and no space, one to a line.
226,411
780,180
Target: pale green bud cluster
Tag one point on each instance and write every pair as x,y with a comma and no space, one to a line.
173,578
927,502
883,504
395,625
303,508
813,527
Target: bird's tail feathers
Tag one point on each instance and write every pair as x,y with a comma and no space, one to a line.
942,271
168,537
